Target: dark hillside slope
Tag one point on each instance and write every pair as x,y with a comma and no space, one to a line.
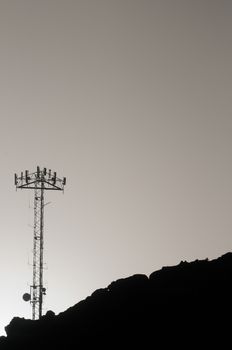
188,305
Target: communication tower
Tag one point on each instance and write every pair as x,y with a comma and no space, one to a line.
40,181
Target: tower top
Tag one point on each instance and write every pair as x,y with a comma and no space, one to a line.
41,178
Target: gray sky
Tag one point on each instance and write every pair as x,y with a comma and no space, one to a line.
131,101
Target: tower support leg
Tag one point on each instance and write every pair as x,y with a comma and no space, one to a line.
38,244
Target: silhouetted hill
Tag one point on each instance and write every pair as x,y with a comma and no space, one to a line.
185,306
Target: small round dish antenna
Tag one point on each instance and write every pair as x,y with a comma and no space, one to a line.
26,297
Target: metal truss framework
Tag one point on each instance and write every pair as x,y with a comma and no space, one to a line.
39,181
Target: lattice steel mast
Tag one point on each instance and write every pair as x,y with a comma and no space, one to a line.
39,181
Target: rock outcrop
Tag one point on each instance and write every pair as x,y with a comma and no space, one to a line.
184,306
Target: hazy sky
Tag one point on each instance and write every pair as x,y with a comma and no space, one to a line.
131,101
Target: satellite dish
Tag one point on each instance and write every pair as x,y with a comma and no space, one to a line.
26,297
